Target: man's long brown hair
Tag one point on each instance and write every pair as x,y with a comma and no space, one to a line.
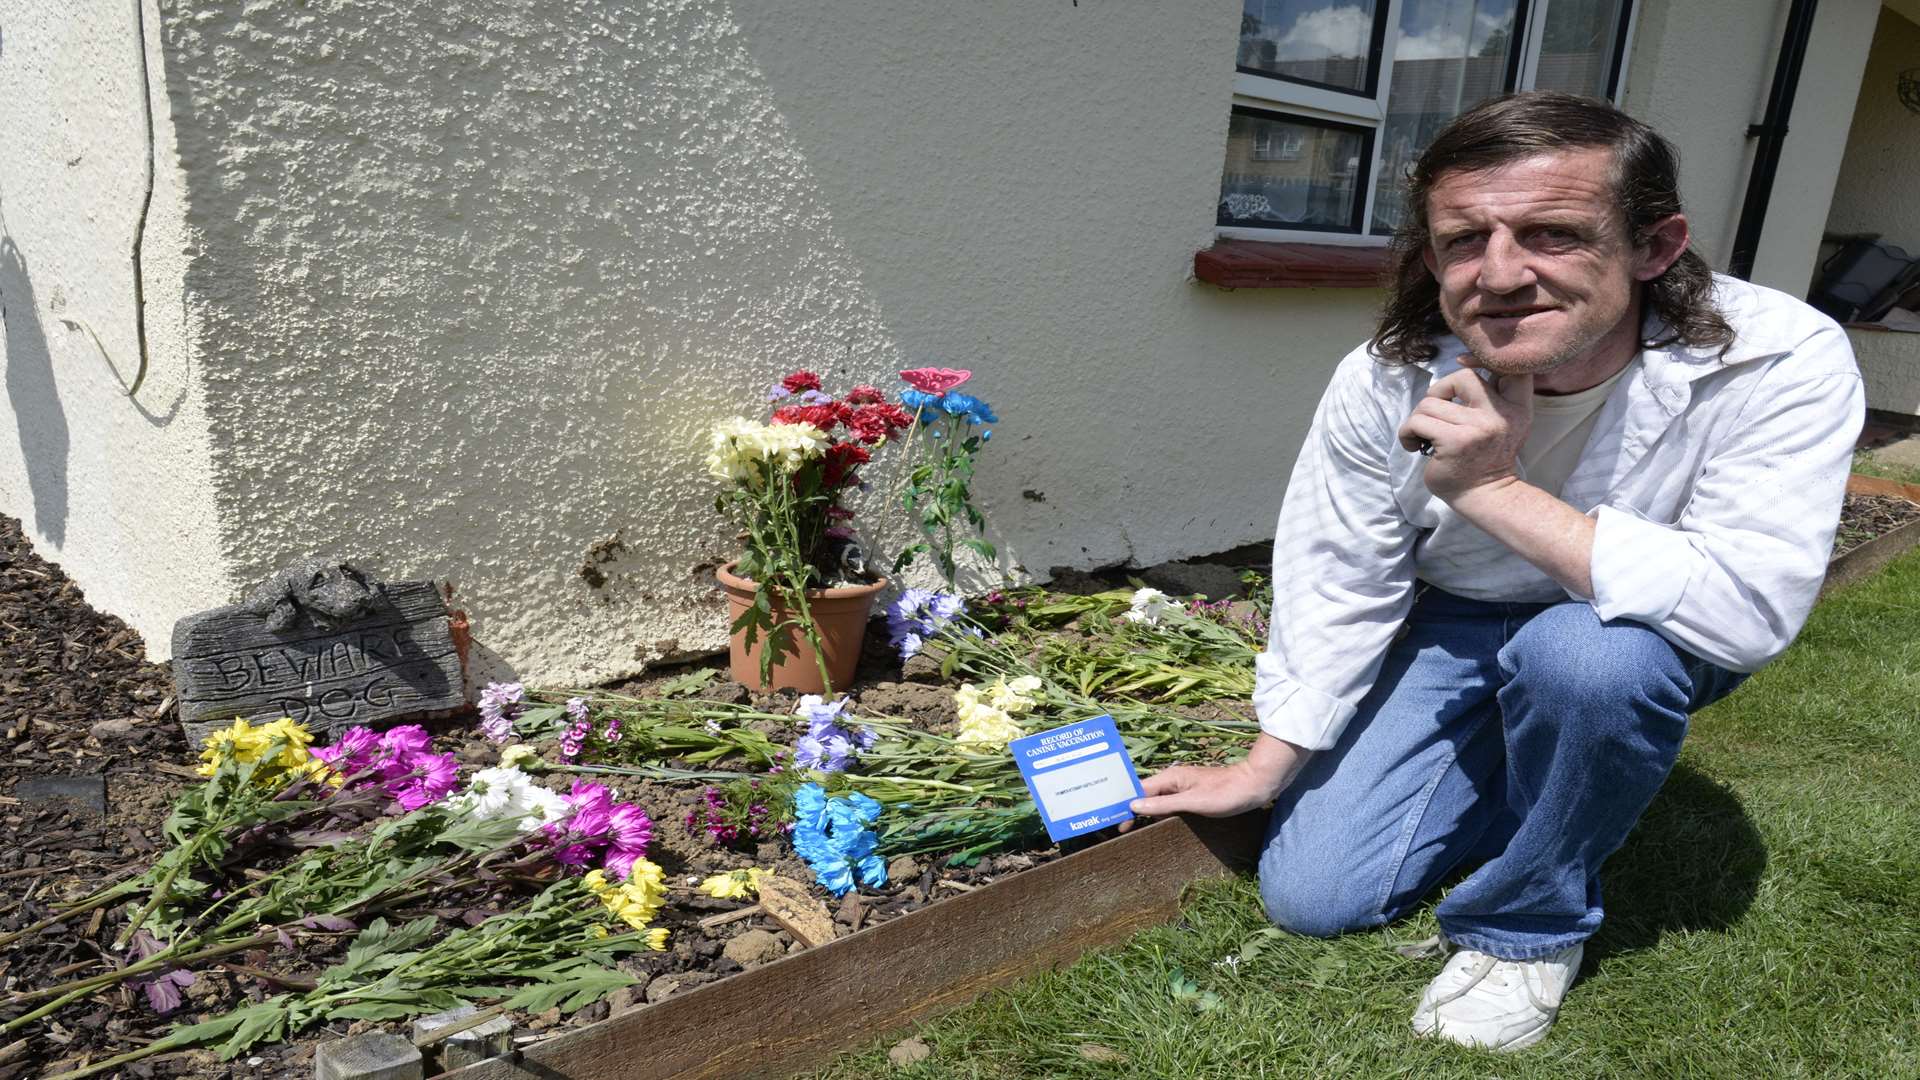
1645,183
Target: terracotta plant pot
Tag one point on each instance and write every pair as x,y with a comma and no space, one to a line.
840,615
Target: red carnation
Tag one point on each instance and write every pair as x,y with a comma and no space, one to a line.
871,423
864,395
823,417
842,459
801,381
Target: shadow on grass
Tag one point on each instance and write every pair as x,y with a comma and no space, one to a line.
1693,863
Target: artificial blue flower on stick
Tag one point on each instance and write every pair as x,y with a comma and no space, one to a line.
938,489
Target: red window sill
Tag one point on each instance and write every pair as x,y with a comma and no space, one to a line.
1259,264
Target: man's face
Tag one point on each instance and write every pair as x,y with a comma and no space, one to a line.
1535,267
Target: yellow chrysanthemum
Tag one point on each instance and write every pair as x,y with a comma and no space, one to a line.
657,939
734,884
518,756
243,742
635,901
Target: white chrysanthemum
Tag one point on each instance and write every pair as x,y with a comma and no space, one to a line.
506,793
543,807
984,725
738,445
1150,605
1016,697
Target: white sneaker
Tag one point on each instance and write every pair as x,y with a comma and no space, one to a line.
1481,1000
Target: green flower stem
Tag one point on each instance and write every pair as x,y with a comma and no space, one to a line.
99,900
69,992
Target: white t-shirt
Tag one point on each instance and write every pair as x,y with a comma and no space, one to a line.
1561,425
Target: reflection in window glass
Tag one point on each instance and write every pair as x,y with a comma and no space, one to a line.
1291,173
1576,52
1453,54
1319,41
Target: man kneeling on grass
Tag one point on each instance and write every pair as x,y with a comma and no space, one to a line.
1573,489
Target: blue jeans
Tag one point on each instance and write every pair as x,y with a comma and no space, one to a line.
1532,736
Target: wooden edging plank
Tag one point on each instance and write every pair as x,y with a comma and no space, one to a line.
1858,484
1882,549
803,1009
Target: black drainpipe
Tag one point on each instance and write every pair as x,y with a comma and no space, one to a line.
1772,132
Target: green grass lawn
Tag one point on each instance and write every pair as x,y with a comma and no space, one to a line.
1762,921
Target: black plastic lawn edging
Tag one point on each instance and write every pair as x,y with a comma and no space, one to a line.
801,1010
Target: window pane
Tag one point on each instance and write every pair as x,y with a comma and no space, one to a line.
1290,173
1576,54
1318,41
1452,55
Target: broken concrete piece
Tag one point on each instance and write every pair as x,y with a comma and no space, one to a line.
373,1056
790,904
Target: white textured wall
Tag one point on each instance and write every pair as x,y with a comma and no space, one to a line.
479,276
1880,175
469,281
117,490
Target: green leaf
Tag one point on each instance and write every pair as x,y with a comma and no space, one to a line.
982,548
377,1010
577,991
265,1022
379,947
471,833
689,684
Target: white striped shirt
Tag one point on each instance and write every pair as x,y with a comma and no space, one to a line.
1715,481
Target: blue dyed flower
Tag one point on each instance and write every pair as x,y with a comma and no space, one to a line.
919,401
777,392
815,397
834,837
956,404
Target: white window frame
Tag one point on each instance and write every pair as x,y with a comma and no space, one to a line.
1288,99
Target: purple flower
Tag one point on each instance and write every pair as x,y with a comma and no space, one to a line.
777,392
406,741
574,738
355,751
162,985
631,832
613,730
500,703
815,397
920,614
828,744
427,779
629,827
577,709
